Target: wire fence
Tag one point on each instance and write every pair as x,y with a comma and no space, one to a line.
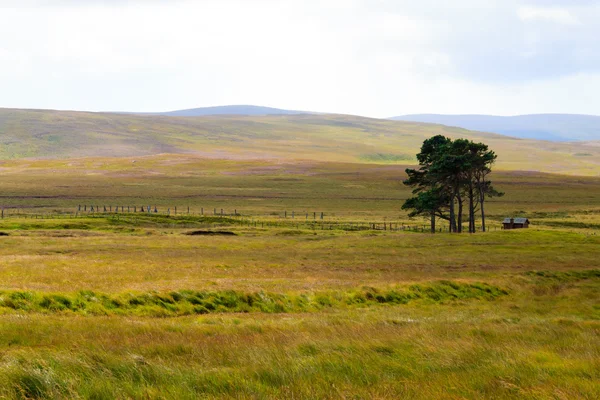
186,217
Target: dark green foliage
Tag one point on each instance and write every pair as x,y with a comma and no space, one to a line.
450,172
430,203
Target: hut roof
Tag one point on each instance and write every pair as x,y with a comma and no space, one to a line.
517,220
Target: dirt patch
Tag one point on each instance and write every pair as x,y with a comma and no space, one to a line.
210,233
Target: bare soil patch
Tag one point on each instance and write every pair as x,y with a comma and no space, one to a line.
210,233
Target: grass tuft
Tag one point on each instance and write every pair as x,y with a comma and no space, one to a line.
185,302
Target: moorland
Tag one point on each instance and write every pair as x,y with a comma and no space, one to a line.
269,300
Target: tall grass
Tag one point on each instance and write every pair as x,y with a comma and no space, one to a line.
133,307
186,302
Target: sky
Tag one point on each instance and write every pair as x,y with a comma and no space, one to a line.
377,58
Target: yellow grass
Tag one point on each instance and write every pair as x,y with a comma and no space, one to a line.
535,334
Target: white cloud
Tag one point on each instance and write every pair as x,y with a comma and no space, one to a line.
549,14
376,58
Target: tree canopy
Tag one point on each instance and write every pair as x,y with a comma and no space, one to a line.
452,173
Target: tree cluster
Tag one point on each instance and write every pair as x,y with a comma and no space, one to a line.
453,174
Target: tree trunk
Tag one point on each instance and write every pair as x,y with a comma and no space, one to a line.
452,228
432,222
482,217
460,214
481,199
471,209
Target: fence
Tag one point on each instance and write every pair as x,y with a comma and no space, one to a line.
286,219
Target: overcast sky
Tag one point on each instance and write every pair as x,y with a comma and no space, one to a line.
368,57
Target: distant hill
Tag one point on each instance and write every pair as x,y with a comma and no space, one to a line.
555,127
318,137
228,110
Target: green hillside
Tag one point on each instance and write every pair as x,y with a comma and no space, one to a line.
342,138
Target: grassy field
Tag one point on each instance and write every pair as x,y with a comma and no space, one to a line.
133,306
262,188
103,312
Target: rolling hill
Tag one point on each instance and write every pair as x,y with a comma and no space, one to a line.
340,138
228,110
554,127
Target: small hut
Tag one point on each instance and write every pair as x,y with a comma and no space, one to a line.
516,223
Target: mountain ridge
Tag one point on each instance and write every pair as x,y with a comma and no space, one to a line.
237,109
553,127
545,126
